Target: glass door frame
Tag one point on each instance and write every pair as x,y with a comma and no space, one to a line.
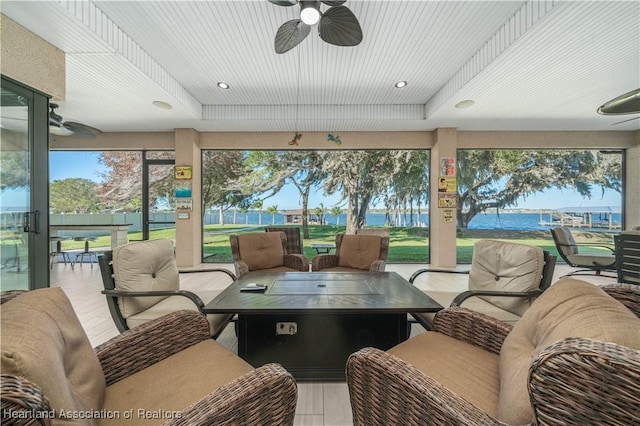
37,232
146,162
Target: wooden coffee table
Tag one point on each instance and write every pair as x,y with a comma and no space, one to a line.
310,322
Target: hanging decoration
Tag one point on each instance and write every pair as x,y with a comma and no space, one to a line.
295,139
334,139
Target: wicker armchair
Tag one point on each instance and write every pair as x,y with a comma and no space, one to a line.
166,371
459,374
265,252
359,252
294,238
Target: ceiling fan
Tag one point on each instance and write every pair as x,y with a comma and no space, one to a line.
629,103
336,25
68,128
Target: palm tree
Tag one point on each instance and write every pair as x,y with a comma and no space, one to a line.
273,210
336,211
320,213
257,204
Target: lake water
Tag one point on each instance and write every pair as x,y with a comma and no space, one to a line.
515,221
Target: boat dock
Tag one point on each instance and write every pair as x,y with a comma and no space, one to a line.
581,217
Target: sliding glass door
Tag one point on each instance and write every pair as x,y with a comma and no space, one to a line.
24,249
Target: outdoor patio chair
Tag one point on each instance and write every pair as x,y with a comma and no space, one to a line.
503,281
142,282
628,256
569,252
294,238
166,371
265,252
572,359
355,253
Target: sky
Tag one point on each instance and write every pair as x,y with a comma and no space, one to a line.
68,164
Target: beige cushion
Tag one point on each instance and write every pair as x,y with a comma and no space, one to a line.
261,250
592,259
176,303
175,383
502,266
359,251
466,370
569,308
144,266
43,341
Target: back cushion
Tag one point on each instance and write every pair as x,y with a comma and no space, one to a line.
569,308
502,266
566,241
144,266
261,250
359,251
43,341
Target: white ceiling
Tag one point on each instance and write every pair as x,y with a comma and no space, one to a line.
536,65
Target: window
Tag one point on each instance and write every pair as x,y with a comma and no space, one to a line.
323,192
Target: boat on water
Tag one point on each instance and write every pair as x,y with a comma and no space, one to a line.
582,217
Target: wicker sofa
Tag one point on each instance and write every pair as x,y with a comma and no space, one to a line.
166,371
572,359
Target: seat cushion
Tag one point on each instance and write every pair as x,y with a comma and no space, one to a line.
176,303
144,266
261,250
569,308
43,341
174,383
503,266
466,370
359,251
587,260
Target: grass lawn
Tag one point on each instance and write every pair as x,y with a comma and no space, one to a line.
407,245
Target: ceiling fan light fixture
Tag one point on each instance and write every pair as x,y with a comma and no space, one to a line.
309,12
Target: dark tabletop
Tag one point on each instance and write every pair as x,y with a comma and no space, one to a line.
323,292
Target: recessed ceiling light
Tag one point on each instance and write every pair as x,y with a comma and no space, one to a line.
162,105
223,85
465,104
401,84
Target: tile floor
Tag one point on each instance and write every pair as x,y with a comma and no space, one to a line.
319,403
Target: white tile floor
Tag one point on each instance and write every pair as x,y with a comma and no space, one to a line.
319,403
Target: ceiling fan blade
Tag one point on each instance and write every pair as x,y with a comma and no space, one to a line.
59,130
81,130
284,2
624,121
334,3
339,26
290,34
629,103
